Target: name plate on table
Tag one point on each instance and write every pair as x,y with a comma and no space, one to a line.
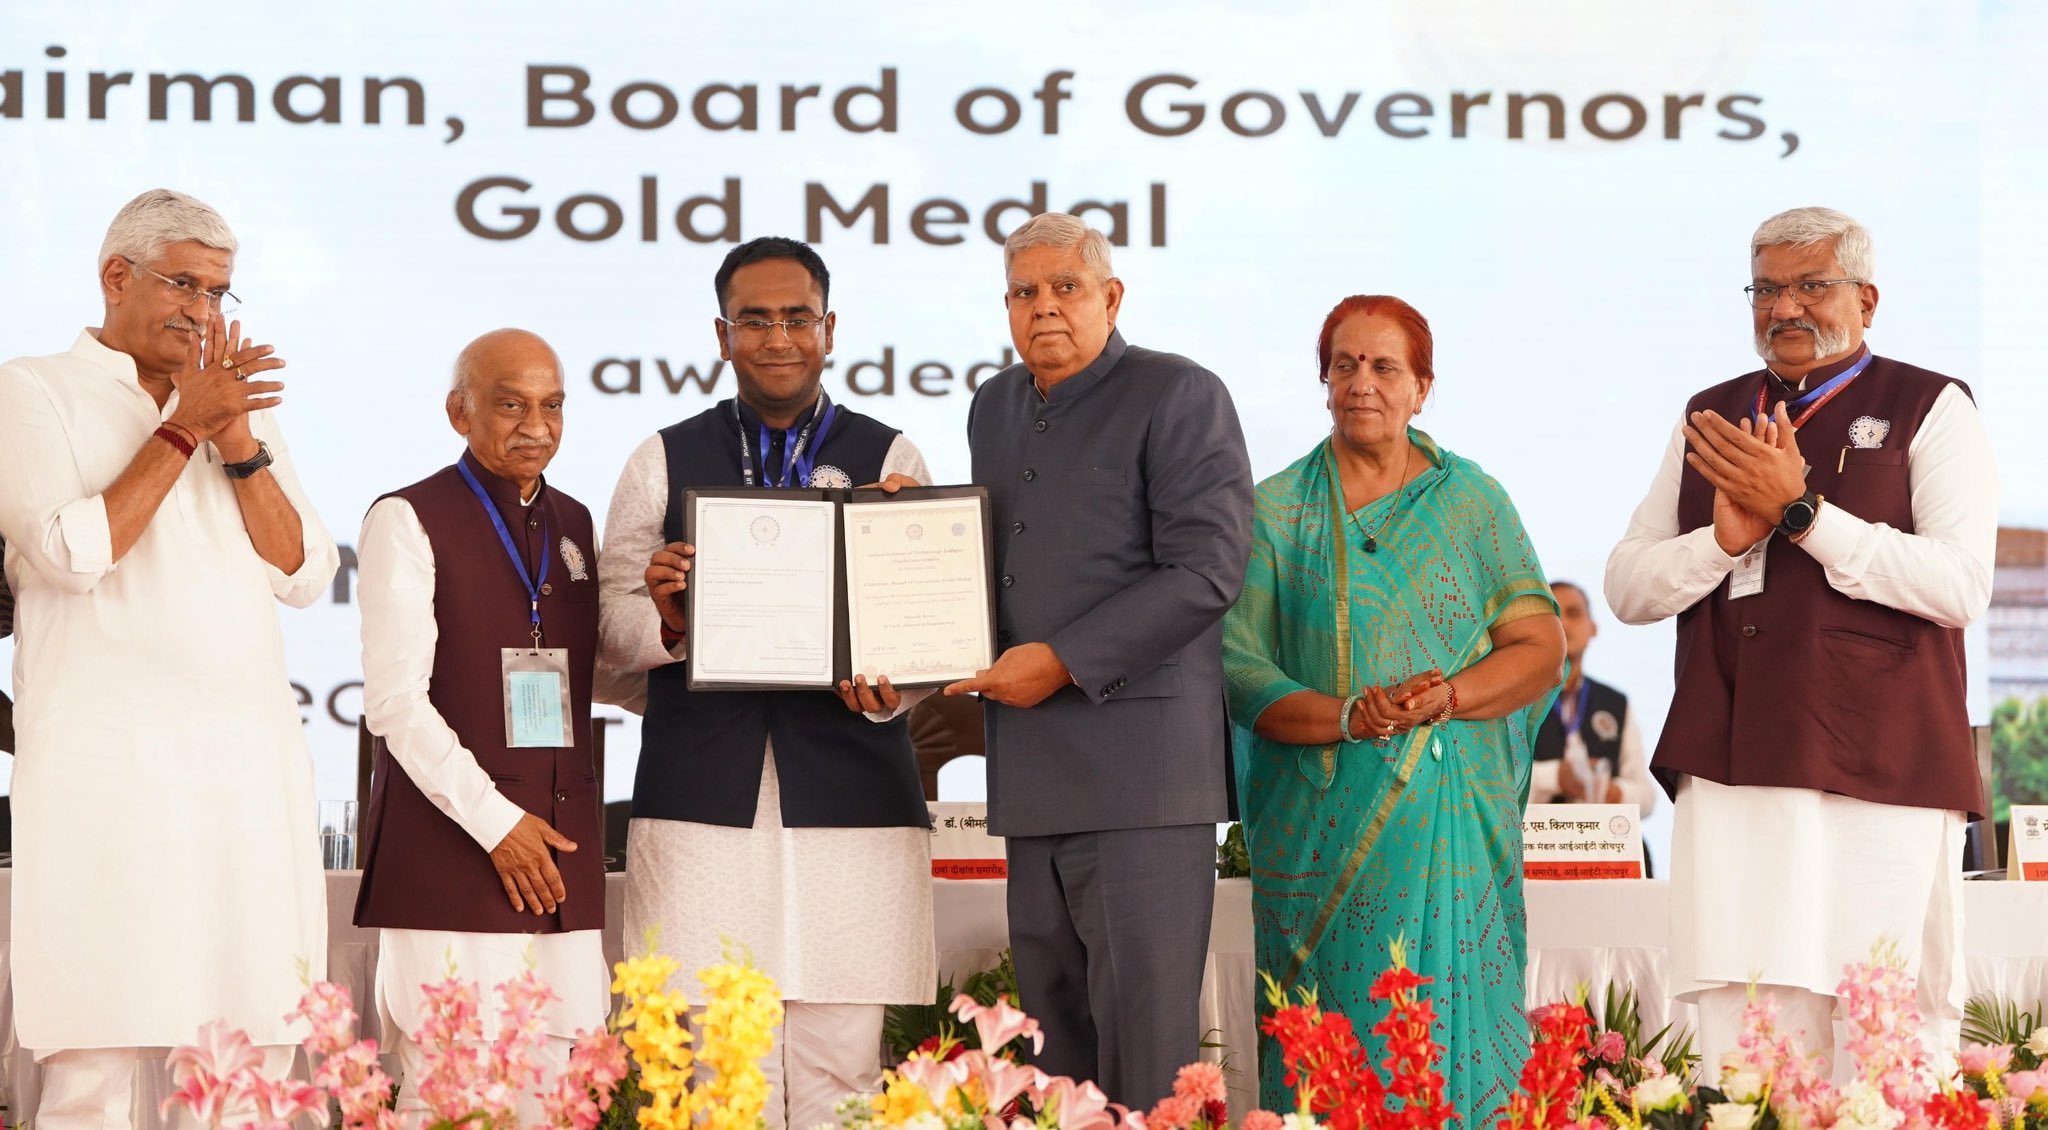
2026,852
961,845
1582,841
800,589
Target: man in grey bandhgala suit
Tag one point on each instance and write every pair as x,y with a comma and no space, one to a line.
1121,496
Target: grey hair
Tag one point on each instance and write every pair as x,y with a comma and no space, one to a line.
1058,229
1804,227
158,218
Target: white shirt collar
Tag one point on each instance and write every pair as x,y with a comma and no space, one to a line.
89,349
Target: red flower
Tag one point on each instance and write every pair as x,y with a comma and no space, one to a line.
933,1044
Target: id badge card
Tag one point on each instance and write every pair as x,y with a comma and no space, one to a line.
1748,577
536,684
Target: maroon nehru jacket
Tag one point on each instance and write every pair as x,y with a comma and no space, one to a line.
1800,686
421,871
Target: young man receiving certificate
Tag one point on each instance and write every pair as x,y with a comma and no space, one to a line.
797,814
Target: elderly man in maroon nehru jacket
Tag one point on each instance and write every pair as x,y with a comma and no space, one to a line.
1823,530
479,605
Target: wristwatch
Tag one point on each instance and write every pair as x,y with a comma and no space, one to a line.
1799,515
250,466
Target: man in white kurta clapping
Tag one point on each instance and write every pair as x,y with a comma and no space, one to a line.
1823,530
166,867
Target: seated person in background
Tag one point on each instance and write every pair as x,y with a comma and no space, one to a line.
1588,750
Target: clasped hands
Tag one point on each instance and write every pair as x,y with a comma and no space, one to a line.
1386,712
1755,469
216,392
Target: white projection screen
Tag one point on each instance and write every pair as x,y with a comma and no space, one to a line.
1565,188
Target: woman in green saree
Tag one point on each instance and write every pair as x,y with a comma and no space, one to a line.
1391,586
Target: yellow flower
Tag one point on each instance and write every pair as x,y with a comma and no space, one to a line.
901,1100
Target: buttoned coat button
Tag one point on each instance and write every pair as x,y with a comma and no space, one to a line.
1003,637
1029,474
546,588
1018,528
1040,426
562,797
1008,580
1748,630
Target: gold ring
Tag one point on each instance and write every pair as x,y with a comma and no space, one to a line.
228,362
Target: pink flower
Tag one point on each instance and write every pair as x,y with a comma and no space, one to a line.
1078,1106
276,1104
998,1023
1260,1120
328,1011
211,1075
1611,1046
1985,1059
1001,1079
2027,1086
584,1092
936,1076
1202,1082
1174,1112
359,1086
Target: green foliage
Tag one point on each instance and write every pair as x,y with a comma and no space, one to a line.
1232,860
1669,1046
626,1103
905,1027
2019,754
1994,1021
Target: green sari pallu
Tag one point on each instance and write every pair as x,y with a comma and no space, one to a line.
1355,844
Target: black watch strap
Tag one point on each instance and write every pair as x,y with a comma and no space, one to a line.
1799,515
251,465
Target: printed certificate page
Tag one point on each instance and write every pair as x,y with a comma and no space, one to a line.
763,581
917,591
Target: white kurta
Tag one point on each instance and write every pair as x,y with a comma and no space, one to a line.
395,587
167,868
835,915
1789,885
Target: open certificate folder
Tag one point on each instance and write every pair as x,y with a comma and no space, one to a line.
800,589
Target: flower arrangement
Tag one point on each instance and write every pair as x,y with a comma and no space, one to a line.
1618,1055
1769,1084
908,1028
736,1028
467,1080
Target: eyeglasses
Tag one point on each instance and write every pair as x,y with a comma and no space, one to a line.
1806,292
798,329
188,291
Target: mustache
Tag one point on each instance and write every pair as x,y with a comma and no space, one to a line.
543,444
1806,324
177,323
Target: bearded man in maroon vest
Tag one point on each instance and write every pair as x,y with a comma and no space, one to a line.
1823,530
479,604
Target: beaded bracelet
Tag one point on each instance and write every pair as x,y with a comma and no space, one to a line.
1450,705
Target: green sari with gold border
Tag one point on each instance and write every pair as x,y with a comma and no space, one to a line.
1355,844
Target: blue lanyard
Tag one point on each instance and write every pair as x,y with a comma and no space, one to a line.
1578,723
802,453
1816,396
511,550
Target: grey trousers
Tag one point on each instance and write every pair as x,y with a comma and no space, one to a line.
1110,932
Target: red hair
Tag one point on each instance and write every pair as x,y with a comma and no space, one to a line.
1414,327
